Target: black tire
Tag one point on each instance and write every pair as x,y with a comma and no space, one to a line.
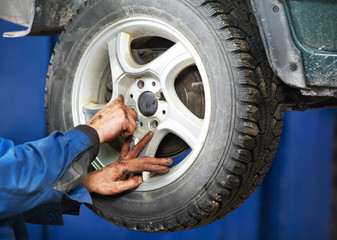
245,121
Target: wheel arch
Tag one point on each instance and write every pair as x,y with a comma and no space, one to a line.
283,55
41,17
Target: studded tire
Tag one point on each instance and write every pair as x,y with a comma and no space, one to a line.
244,117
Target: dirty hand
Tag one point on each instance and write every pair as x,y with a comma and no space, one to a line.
115,179
113,120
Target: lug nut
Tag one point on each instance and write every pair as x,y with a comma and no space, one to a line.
159,96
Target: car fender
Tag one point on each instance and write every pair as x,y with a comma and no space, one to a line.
41,17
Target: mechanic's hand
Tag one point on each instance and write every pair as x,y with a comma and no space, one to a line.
115,178
113,120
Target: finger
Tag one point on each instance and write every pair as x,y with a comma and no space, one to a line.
152,160
130,128
141,145
125,185
142,164
120,98
128,131
131,112
133,123
126,147
125,134
153,168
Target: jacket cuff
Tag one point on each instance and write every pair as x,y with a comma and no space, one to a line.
93,136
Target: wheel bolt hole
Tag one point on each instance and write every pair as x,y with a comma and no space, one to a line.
131,95
164,112
141,124
140,84
153,83
154,124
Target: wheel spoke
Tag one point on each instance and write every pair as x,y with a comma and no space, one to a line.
121,60
120,55
169,64
90,109
182,122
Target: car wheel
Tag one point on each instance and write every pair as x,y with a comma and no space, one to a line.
197,75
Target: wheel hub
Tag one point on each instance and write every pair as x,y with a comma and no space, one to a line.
147,104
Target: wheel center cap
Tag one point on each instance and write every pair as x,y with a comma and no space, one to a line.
147,104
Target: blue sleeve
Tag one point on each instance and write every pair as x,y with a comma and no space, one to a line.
29,172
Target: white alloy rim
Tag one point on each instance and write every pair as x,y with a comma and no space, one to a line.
112,49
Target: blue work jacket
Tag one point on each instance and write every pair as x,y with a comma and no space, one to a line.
37,177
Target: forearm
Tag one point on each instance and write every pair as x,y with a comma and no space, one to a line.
30,171
77,169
